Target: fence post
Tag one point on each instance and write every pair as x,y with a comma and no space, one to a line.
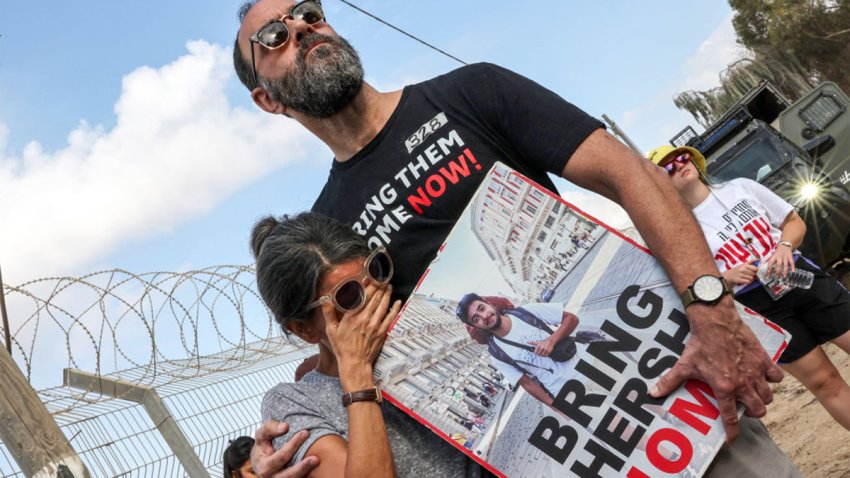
153,404
6,332
28,430
622,135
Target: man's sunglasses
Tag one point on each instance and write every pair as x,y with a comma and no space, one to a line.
681,159
350,295
275,34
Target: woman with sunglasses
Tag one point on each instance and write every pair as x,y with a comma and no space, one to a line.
746,224
321,282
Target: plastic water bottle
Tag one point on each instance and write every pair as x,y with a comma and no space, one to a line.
777,286
799,278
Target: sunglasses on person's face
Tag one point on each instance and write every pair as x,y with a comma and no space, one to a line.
350,294
682,159
275,34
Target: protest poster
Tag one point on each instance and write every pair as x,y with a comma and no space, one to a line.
534,262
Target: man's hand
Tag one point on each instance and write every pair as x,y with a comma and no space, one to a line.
268,463
724,353
543,347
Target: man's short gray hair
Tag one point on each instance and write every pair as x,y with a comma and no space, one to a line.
240,63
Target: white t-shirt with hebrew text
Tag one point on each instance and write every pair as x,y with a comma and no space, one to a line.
741,219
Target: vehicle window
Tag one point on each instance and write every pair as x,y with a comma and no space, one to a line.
755,161
822,111
763,172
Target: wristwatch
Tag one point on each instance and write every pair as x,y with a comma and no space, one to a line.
707,289
785,243
369,395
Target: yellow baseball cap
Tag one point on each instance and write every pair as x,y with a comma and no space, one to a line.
662,154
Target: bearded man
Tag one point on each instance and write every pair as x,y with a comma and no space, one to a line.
406,163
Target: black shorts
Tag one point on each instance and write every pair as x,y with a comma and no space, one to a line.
812,316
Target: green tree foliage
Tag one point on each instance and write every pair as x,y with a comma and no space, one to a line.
794,44
815,32
764,63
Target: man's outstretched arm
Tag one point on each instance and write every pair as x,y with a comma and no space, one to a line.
722,352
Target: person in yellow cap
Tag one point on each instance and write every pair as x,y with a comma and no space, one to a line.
746,224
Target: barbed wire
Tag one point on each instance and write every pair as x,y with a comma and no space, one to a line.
113,320
201,340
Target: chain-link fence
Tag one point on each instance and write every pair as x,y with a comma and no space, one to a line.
201,341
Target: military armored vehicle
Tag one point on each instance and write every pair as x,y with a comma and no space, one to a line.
822,113
799,150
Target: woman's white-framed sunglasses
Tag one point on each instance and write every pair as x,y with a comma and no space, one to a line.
350,294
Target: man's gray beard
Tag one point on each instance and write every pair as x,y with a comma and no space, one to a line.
324,87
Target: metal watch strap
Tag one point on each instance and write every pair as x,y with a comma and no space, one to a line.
369,395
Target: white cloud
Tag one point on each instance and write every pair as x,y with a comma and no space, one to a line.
702,69
657,120
4,137
178,148
393,84
628,118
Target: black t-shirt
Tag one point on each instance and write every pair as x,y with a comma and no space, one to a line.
407,188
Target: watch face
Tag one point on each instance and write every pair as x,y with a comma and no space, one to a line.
708,288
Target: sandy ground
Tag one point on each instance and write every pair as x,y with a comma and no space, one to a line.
816,444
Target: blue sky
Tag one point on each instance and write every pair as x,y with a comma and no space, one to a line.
126,140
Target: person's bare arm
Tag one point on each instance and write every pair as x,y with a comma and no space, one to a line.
793,230
722,351
356,340
534,389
